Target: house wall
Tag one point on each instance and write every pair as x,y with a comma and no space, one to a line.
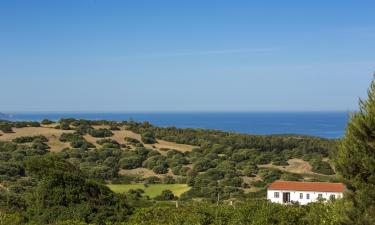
295,196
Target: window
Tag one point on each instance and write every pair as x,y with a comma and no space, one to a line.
320,196
276,195
332,197
300,195
307,196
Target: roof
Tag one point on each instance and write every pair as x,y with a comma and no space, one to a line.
307,186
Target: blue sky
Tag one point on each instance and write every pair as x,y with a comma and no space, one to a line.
93,55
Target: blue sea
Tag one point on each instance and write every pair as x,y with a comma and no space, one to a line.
321,124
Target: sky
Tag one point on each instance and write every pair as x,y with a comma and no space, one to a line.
179,56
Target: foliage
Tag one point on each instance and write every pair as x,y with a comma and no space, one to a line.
148,138
100,133
46,122
355,161
27,139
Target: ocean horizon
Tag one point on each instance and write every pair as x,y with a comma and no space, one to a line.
320,124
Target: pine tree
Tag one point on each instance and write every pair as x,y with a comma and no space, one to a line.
355,161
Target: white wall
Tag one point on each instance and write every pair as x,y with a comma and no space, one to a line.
295,196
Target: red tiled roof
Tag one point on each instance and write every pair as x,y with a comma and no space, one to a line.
307,186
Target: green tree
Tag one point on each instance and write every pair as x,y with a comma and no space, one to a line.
355,161
166,195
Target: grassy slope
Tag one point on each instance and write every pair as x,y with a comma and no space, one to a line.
152,190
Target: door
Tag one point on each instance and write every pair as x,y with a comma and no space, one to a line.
286,197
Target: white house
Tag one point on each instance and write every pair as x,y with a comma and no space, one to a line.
284,192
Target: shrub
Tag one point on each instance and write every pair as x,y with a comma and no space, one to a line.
101,133
166,195
130,162
6,128
131,140
46,122
27,139
152,180
321,167
169,180
148,138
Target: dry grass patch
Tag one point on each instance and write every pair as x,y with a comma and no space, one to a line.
52,134
144,172
295,166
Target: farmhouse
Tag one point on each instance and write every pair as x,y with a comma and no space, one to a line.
284,192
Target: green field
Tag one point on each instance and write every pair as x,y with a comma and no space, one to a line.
152,190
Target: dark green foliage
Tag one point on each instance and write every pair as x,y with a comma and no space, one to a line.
166,195
76,141
355,162
291,177
321,167
169,180
131,140
131,162
269,175
250,170
156,163
64,126
6,127
46,122
148,138
27,139
100,133
258,183
108,143
152,180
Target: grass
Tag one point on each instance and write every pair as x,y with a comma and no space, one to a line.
152,190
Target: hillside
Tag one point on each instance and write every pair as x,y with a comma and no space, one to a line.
206,160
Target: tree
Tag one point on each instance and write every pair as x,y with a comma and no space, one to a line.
46,122
166,195
148,138
355,161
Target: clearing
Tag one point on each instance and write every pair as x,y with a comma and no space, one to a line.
152,190
52,134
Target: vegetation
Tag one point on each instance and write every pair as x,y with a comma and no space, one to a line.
355,162
151,190
221,181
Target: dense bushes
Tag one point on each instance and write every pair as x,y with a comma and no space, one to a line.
322,167
100,133
248,213
27,139
46,122
76,141
6,127
148,138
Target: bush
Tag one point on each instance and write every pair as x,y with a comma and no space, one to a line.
148,138
100,133
166,195
6,128
131,140
46,122
64,126
169,180
321,167
28,139
130,162
152,180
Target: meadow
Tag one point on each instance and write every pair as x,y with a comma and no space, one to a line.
152,190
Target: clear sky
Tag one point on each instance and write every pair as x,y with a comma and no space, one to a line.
96,55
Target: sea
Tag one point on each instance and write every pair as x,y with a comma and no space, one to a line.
320,124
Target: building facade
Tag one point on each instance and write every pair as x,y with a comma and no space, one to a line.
285,192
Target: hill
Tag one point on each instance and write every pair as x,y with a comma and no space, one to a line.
68,162
209,161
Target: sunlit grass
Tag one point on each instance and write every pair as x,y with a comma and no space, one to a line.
152,190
